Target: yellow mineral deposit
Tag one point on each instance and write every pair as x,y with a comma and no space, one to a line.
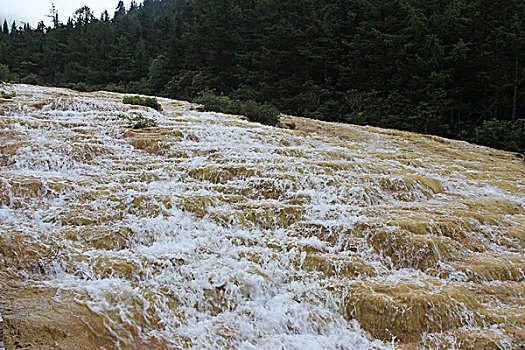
210,232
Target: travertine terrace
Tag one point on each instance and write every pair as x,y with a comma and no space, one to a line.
210,232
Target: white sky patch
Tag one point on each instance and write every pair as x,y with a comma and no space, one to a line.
34,11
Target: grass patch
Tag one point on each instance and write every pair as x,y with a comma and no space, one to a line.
143,101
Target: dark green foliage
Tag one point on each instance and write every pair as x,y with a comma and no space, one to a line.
159,73
188,83
454,68
32,79
260,113
5,74
255,112
143,101
214,103
114,88
502,134
140,87
82,87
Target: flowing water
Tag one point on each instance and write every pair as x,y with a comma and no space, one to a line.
210,232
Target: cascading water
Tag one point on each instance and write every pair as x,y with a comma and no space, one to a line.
210,232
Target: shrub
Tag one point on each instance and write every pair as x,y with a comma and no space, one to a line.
260,113
139,121
7,95
114,88
83,87
143,101
256,112
213,103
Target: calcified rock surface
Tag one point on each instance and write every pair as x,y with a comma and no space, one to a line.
210,232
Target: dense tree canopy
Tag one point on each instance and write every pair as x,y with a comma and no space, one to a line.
448,67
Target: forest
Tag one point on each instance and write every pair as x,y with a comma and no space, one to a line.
453,68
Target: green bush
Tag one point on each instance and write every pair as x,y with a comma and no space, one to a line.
213,103
143,101
256,112
260,113
139,121
114,88
7,95
83,87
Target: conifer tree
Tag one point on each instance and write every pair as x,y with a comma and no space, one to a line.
120,10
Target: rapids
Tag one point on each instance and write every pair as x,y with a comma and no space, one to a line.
211,232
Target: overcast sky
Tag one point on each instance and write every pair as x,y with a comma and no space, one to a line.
34,11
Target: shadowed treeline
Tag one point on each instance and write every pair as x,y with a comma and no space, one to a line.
451,68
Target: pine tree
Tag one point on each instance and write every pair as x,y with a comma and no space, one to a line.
14,29
120,10
53,15
159,73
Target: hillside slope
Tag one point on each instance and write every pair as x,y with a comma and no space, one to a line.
208,231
